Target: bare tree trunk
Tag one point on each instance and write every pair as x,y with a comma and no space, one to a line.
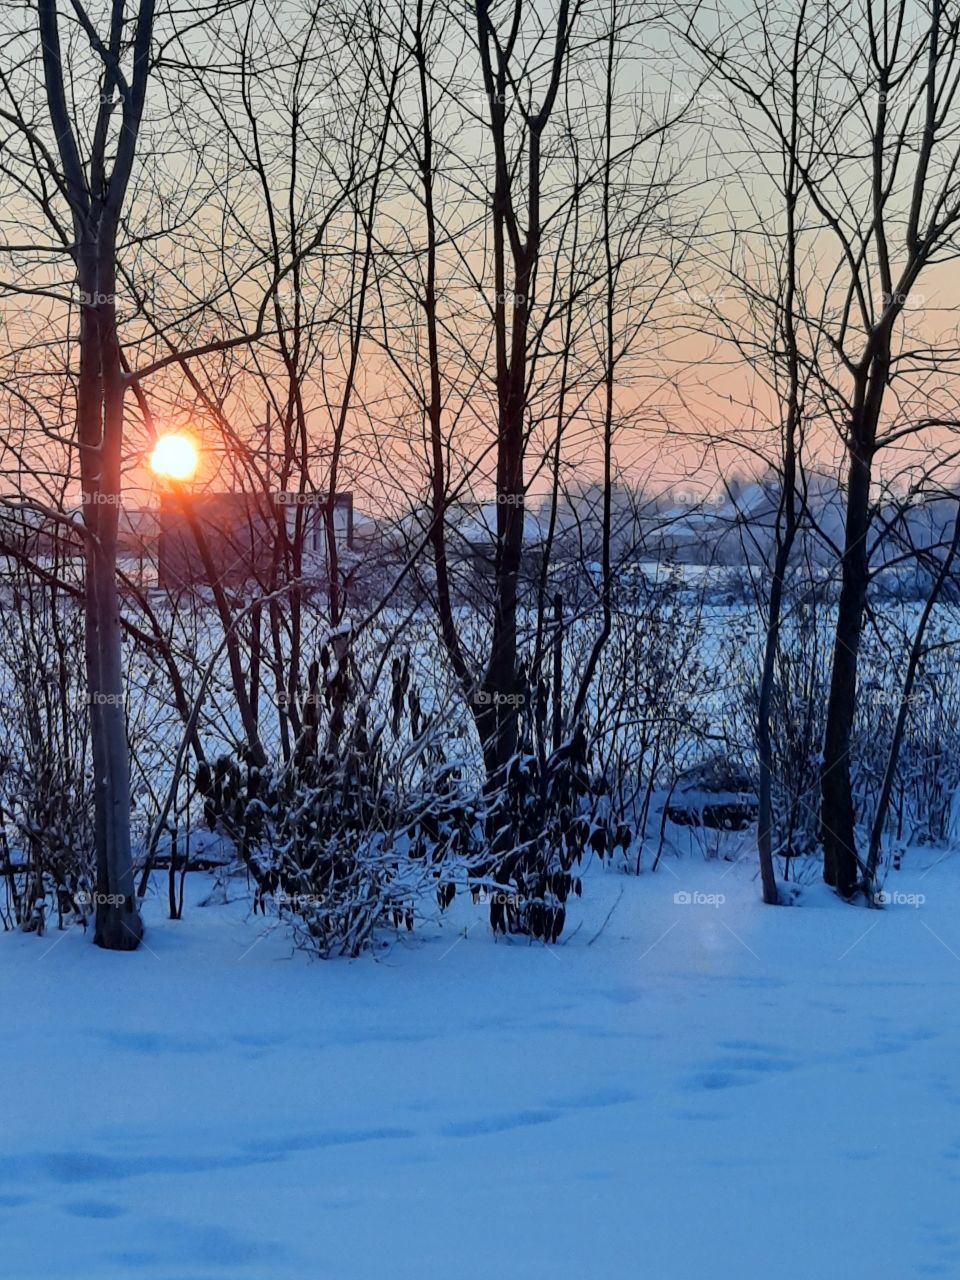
788,503
837,813
434,406
837,808
118,923
499,722
768,879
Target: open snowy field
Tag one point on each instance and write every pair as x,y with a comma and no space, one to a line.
683,1089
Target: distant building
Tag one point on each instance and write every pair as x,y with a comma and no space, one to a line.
232,538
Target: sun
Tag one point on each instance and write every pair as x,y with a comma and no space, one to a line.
174,457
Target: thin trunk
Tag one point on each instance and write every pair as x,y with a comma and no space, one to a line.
768,877
438,485
787,509
837,813
609,373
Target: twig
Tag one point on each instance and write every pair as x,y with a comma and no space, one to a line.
606,921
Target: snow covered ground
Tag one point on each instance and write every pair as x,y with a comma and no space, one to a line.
694,1088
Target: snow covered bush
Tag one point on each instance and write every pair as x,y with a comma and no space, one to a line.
350,835
541,822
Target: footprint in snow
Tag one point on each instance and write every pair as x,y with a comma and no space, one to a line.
497,1124
99,1209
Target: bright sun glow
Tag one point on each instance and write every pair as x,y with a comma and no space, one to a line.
174,457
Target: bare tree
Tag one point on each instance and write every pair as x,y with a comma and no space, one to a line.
75,98
528,282
864,115
92,177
